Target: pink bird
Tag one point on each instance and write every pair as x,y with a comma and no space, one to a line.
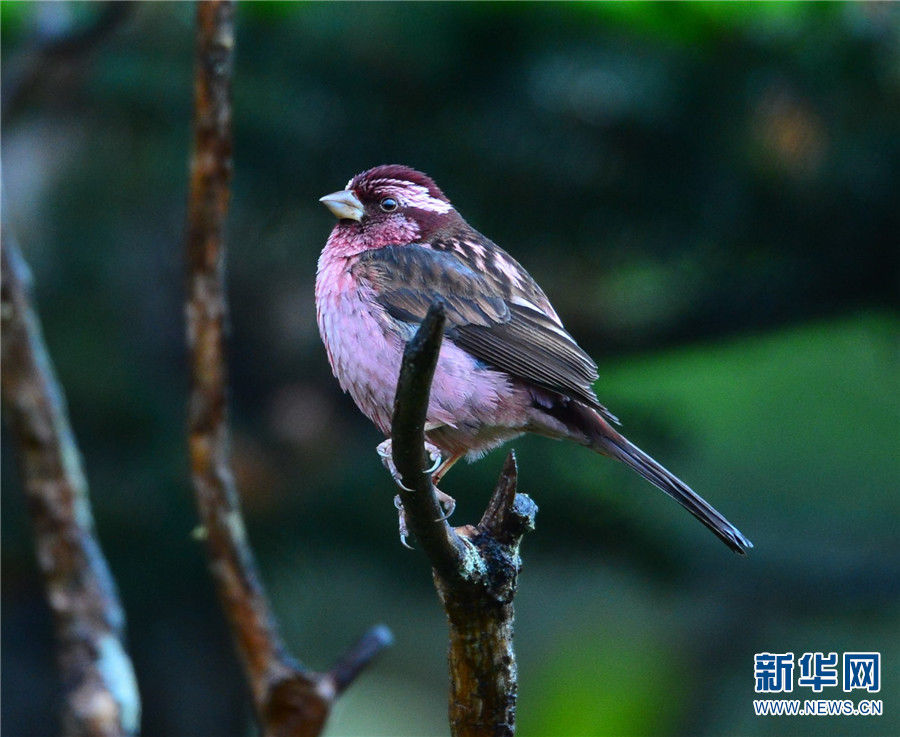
507,365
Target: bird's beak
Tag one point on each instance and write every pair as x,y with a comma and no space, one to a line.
344,205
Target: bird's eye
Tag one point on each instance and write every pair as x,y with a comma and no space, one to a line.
388,204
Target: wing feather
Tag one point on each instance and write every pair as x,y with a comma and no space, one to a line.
501,322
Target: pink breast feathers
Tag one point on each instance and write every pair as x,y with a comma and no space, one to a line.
365,349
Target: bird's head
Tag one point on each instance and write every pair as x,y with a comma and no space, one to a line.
385,206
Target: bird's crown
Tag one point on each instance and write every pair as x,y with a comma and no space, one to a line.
390,176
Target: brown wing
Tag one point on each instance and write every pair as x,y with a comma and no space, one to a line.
409,279
497,320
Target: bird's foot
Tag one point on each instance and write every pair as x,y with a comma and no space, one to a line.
385,452
402,527
447,502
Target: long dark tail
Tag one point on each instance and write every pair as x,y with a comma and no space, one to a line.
604,439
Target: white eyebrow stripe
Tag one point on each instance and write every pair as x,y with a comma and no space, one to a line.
419,197
412,195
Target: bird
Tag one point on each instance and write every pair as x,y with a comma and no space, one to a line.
507,365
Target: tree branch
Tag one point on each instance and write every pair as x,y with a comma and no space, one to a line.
475,568
289,699
101,696
445,549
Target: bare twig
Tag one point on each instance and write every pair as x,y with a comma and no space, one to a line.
475,568
289,699
101,696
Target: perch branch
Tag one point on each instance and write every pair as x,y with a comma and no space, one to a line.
475,568
101,696
289,699
444,548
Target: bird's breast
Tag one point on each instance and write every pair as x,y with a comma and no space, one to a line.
365,348
363,352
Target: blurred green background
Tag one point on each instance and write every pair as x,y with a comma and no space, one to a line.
709,195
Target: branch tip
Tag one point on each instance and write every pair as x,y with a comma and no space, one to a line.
358,656
508,514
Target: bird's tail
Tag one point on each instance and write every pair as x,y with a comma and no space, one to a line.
604,439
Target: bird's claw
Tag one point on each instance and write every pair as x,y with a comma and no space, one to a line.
401,523
399,481
385,452
436,457
447,502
